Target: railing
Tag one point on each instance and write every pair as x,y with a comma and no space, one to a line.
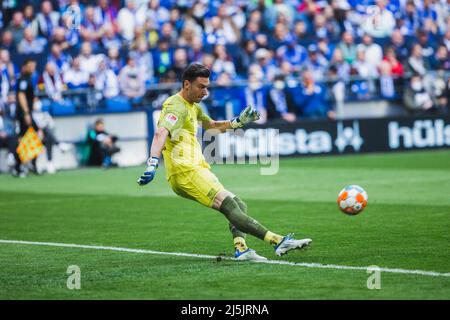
89,100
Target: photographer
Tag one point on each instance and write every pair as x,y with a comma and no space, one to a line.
102,146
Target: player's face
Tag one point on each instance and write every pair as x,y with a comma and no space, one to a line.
30,67
198,89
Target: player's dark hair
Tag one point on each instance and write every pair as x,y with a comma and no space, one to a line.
25,63
195,70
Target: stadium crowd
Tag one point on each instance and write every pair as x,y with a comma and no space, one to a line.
294,54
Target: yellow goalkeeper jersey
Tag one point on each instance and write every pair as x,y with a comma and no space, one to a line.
182,151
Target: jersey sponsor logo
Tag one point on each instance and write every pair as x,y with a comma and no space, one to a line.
171,118
23,85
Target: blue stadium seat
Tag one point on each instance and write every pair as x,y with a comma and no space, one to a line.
65,108
118,104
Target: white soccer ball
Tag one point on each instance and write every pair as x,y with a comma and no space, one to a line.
352,200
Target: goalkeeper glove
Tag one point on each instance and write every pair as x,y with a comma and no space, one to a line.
249,114
149,174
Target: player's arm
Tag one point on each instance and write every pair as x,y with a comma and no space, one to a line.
159,139
248,115
23,103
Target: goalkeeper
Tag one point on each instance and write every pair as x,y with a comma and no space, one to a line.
189,174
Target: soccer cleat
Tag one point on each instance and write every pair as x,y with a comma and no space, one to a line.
65,147
248,255
50,168
289,243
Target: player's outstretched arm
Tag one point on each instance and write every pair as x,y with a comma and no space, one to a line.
159,139
248,115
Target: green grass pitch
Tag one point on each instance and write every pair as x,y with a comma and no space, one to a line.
406,225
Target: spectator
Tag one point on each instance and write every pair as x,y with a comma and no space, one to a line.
223,63
7,68
127,20
427,11
251,30
60,59
74,77
441,60
156,12
245,57
52,83
348,47
29,19
47,20
341,66
394,67
110,38
292,52
132,82
427,43
265,62
114,61
280,104
254,93
310,100
16,27
180,62
90,29
68,36
188,35
214,33
30,45
417,100
60,38
88,61
416,63
144,61
280,36
8,41
399,45
102,146
373,51
195,51
411,19
106,81
105,15
379,22
324,28
364,70
232,20
176,20
162,58
325,48
170,35
387,87
440,92
301,34
316,62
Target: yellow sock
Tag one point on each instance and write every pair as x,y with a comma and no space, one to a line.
239,244
272,238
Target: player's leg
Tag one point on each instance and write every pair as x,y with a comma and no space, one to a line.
230,205
203,186
239,236
227,203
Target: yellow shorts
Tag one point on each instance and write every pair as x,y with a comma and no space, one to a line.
199,185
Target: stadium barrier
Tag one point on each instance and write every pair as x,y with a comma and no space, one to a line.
328,137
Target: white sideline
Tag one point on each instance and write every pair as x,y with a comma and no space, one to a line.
203,256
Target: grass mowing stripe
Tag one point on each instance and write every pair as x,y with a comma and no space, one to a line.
202,256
